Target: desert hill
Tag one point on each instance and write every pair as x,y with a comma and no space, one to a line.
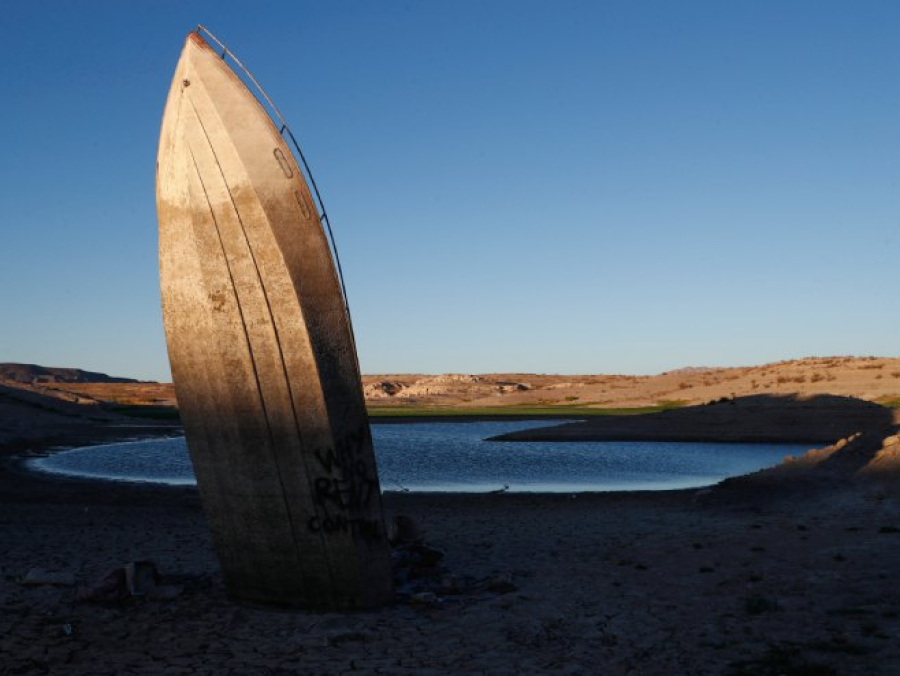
32,418
874,379
32,373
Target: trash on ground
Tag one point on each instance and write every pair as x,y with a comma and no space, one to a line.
140,577
137,578
39,576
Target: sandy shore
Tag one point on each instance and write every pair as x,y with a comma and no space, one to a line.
819,419
774,574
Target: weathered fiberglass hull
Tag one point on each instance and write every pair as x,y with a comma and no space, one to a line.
262,353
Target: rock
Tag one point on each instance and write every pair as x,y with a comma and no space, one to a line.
529,633
504,387
338,637
382,390
404,530
39,576
891,441
423,556
110,589
312,642
501,584
165,592
451,586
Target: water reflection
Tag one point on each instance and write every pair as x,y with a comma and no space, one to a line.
454,457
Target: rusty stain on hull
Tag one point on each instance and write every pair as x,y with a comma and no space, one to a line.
262,353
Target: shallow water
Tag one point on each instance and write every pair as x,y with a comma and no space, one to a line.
454,457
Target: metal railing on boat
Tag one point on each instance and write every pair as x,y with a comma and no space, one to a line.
283,128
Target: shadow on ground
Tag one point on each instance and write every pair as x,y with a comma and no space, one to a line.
759,418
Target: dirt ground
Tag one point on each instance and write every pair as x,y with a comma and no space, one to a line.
759,576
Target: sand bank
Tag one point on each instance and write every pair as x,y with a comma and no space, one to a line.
819,419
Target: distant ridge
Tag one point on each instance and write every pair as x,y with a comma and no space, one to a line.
875,379
32,373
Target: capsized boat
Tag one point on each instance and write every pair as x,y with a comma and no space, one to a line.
261,349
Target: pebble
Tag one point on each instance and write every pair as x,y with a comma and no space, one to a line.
39,576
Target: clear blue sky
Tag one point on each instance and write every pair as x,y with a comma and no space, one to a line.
559,187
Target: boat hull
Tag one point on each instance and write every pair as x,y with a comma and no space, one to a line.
262,353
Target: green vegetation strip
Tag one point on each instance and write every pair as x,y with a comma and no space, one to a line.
513,411
888,401
520,411
558,410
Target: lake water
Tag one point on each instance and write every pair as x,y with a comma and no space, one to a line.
455,457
